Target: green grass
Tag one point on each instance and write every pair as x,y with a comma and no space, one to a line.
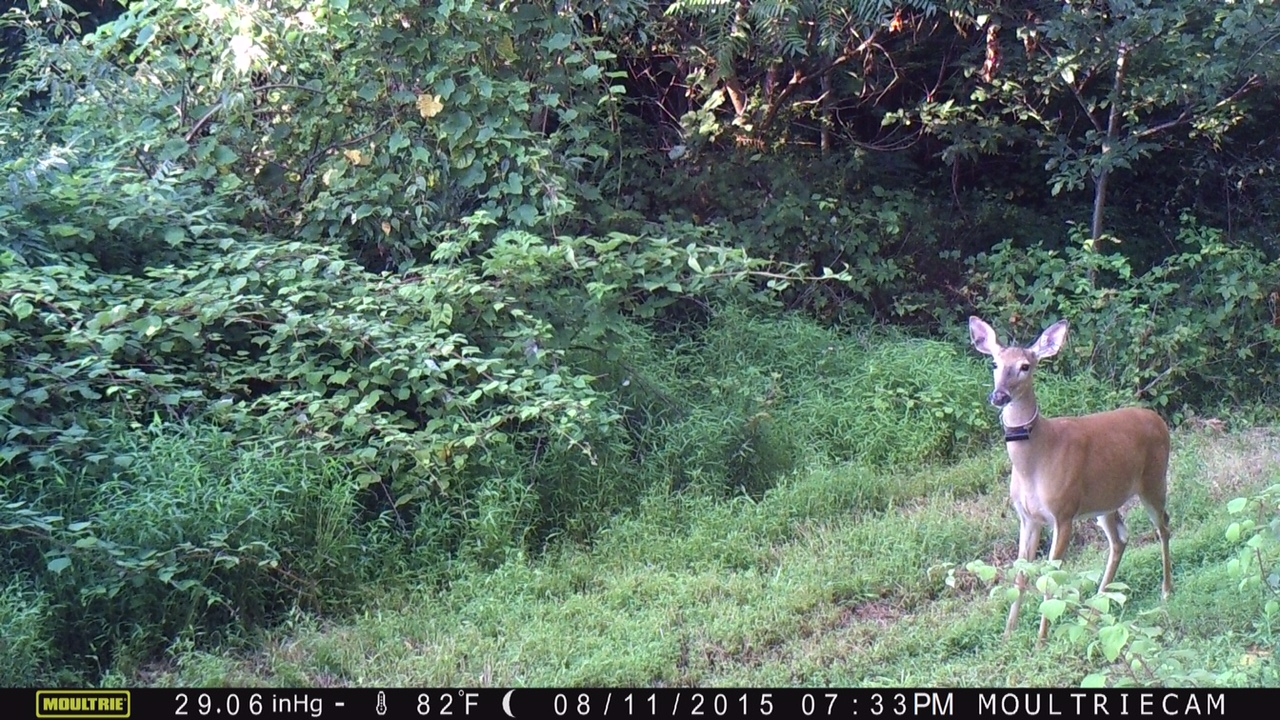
825,581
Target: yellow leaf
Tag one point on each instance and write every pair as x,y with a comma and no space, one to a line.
356,157
386,228
506,48
429,105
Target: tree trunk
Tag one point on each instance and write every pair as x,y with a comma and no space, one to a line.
1113,131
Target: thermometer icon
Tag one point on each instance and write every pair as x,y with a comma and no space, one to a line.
382,703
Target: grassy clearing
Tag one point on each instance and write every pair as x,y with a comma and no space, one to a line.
824,581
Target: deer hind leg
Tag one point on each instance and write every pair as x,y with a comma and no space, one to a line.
1028,539
1160,519
1118,539
1061,539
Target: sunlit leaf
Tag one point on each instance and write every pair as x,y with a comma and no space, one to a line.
1113,639
429,105
357,157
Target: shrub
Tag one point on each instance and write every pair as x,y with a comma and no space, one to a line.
1198,329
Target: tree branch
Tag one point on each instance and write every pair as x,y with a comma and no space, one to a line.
315,157
1189,114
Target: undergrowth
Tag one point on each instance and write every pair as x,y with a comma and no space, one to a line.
779,489
805,586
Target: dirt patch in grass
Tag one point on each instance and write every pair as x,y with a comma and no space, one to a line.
878,612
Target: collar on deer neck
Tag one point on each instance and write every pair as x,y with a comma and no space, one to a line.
1014,433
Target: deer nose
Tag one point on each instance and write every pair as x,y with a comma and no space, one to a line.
1000,398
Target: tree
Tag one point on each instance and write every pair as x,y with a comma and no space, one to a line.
767,56
1099,84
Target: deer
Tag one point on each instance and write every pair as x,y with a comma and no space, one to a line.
1067,468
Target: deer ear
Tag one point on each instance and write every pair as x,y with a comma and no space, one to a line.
983,337
1050,341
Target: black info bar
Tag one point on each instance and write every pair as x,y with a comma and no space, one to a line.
537,703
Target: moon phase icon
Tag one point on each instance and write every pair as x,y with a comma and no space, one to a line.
506,704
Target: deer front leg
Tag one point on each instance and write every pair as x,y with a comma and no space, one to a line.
1061,538
1028,539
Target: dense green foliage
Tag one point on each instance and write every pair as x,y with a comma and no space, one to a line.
298,296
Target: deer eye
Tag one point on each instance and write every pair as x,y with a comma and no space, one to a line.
1024,367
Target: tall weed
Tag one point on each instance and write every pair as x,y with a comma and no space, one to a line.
191,534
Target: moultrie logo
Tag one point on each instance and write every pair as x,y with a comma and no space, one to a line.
83,704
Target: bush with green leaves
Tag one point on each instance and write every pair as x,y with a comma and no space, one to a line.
1198,329
407,375
369,125
1256,565
812,212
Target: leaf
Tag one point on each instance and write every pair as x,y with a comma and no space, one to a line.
1101,603
526,215
457,124
244,51
986,573
57,565
21,308
1094,680
144,36
1113,639
506,48
429,106
223,155
559,41
1053,608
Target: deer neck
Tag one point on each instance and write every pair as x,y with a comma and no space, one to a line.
1020,418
